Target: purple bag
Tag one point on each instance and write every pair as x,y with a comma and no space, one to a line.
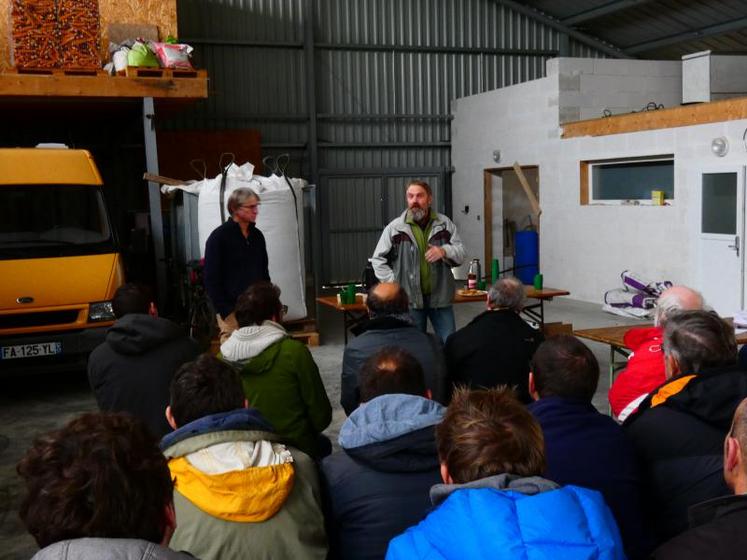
622,298
631,280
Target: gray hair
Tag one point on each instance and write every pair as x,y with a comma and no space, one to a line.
238,197
507,293
676,299
699,340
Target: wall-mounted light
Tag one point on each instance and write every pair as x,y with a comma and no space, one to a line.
496,156
720,146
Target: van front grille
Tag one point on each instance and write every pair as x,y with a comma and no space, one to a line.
41,319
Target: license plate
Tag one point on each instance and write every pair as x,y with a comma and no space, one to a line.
30,350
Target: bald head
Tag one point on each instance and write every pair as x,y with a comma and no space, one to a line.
387,298
735,451
739,427
676,298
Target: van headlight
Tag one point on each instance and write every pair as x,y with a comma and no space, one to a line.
100,311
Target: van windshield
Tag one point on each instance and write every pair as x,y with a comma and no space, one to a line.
53,221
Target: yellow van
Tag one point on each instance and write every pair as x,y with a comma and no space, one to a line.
59,264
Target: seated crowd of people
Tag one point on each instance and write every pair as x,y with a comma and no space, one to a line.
487,446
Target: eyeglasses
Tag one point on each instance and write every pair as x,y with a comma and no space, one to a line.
249,206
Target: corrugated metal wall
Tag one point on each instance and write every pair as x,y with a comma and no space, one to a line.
360,96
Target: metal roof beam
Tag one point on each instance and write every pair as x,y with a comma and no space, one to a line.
601,11
695,34
559,26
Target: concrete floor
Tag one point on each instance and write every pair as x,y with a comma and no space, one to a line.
29,407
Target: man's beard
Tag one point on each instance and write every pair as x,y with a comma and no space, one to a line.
418,214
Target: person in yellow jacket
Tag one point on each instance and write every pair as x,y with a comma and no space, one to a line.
239,492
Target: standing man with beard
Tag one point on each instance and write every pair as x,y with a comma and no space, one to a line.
418,250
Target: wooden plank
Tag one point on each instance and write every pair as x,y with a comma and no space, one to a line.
161,180
487,215
584,183
684,115
55,85
527,189
308,338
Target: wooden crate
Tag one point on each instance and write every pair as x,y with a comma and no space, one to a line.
55,34
303,330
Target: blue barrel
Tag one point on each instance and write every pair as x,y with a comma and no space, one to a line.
526,256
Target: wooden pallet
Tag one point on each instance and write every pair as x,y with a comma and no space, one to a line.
303,330
168,73
59,71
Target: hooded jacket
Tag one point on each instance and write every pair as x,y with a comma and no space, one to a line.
391,331
239,493
678,433
507,517
282,381
643,373
378,484
397,259
108,549
132,369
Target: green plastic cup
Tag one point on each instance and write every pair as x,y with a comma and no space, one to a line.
538,281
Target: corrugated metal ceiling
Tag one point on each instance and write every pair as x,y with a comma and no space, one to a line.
655,29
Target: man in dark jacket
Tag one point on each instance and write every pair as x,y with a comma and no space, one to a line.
378,485
389,324
582,446
132,369
496,346
717,526
235,258
679,429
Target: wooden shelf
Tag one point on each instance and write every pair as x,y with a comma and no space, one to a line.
13,84
684,115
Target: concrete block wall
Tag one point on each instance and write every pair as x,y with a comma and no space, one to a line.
519,121
584,248
589,86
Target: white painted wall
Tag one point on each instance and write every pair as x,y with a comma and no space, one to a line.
584,248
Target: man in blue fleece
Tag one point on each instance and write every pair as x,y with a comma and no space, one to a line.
378,484
494,503
583,446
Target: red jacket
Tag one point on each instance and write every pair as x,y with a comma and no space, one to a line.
645,371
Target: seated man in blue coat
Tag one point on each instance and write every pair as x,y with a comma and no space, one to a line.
582,446
493,502
378,484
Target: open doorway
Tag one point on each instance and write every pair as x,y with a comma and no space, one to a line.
510,210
